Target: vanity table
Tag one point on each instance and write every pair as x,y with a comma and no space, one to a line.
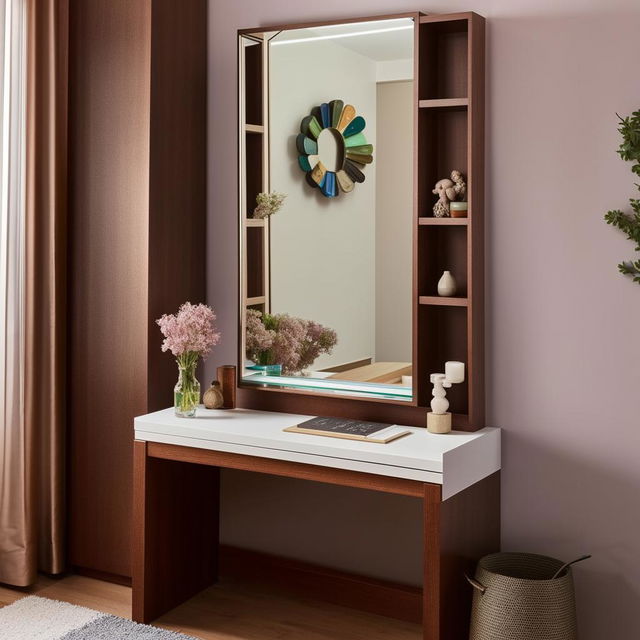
176,504
342,279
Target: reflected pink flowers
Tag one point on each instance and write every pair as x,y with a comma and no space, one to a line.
282,339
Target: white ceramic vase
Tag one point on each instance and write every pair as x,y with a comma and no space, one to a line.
447,285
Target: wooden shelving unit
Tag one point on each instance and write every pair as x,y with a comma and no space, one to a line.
254,161
449,121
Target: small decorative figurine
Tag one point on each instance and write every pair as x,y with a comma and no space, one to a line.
447,191
212,397
460,187
439,419
444,189
447,285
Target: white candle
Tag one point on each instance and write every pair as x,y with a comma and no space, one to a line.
454,371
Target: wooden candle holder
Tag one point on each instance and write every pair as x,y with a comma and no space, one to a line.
227,379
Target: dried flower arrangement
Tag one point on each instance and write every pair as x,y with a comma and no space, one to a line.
293,343
268,204
190,335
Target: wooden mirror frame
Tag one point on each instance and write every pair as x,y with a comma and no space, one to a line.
449,61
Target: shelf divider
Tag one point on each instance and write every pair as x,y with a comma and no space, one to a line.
443,301
444,222
444,103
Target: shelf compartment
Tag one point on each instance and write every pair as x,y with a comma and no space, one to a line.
445,103
443,222
254,169
258,304
447,329
254,128
443,301
253,83
444,59
442,147
442,249
255,250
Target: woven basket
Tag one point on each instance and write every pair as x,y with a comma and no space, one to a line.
523,596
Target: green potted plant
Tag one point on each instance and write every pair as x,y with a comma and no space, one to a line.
629,223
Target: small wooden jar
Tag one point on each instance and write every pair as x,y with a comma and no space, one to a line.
438,422
458,209
227,380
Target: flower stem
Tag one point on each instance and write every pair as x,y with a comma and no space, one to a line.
187,392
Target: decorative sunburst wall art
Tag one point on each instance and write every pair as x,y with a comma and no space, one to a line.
333,126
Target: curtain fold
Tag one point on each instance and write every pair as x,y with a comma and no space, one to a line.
15,487
33,461
46,270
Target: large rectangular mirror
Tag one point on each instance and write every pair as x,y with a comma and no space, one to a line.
326,118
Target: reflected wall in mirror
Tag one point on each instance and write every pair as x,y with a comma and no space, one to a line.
326,298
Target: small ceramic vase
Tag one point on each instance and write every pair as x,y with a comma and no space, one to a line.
212,397
447,285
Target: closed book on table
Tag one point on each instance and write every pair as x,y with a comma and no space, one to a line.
377,432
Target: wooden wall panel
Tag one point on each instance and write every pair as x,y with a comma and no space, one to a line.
137,136
177,175
109,57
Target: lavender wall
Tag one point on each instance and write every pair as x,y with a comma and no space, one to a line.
563,327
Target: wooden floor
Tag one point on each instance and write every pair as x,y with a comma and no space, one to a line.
230,612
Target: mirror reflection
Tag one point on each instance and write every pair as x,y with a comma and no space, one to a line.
327,227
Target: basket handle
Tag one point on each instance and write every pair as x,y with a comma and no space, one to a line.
475,584
568,564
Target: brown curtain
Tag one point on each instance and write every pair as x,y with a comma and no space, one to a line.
35,479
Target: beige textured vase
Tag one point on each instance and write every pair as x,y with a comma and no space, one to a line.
447,285
212,397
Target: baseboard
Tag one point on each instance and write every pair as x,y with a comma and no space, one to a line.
357,592
102,575
382,597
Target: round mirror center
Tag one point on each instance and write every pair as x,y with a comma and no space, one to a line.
331,149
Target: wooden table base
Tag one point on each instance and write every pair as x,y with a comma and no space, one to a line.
175,535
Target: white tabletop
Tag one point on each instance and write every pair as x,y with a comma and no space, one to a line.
455,460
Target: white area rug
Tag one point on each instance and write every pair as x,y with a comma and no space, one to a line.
35,618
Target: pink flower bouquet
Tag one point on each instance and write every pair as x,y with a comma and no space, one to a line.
189,334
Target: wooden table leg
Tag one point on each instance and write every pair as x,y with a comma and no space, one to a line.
175,532
458,532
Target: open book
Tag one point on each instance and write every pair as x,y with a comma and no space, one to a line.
350,429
